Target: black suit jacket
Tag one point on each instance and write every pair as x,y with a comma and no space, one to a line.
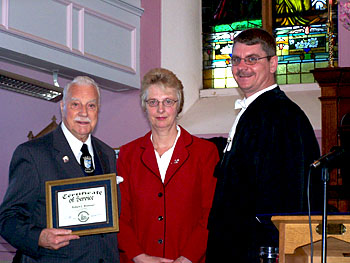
23,211
265,173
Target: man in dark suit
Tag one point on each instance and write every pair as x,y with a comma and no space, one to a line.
264,168
53,157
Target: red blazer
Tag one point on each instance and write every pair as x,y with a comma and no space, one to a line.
166,220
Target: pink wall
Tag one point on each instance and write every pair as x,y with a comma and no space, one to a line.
150,35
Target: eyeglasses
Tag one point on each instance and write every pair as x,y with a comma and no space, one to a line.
166,102
248,60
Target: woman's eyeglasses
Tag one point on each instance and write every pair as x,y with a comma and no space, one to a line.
166,102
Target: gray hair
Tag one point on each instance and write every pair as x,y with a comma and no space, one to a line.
164,78
80,80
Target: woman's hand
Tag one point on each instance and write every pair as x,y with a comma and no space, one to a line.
182,260
143,258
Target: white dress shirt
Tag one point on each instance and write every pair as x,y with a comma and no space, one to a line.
75,144
164,160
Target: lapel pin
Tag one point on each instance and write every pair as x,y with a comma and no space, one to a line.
176,161
65,159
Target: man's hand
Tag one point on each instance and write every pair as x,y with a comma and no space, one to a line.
182,260
143,258
53,238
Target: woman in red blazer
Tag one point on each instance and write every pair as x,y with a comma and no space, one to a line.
168,181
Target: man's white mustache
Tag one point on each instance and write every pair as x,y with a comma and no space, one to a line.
82,119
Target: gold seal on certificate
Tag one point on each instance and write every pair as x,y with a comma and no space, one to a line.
87,205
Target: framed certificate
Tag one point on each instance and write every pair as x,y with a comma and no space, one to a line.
86,205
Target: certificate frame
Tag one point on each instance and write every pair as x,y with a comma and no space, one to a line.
83,196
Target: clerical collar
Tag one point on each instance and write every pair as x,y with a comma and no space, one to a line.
75,144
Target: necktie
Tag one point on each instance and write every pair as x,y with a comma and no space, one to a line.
86,160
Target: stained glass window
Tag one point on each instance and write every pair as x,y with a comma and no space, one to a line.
217,54
300,27
222,21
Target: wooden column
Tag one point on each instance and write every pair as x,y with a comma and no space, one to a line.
266,13
335,103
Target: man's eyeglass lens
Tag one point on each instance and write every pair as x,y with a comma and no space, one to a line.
248,60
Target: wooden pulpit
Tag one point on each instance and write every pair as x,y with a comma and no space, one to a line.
294,238
335,103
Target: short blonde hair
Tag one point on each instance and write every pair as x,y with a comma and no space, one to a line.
164,78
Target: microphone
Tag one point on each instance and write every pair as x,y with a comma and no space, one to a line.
325,160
